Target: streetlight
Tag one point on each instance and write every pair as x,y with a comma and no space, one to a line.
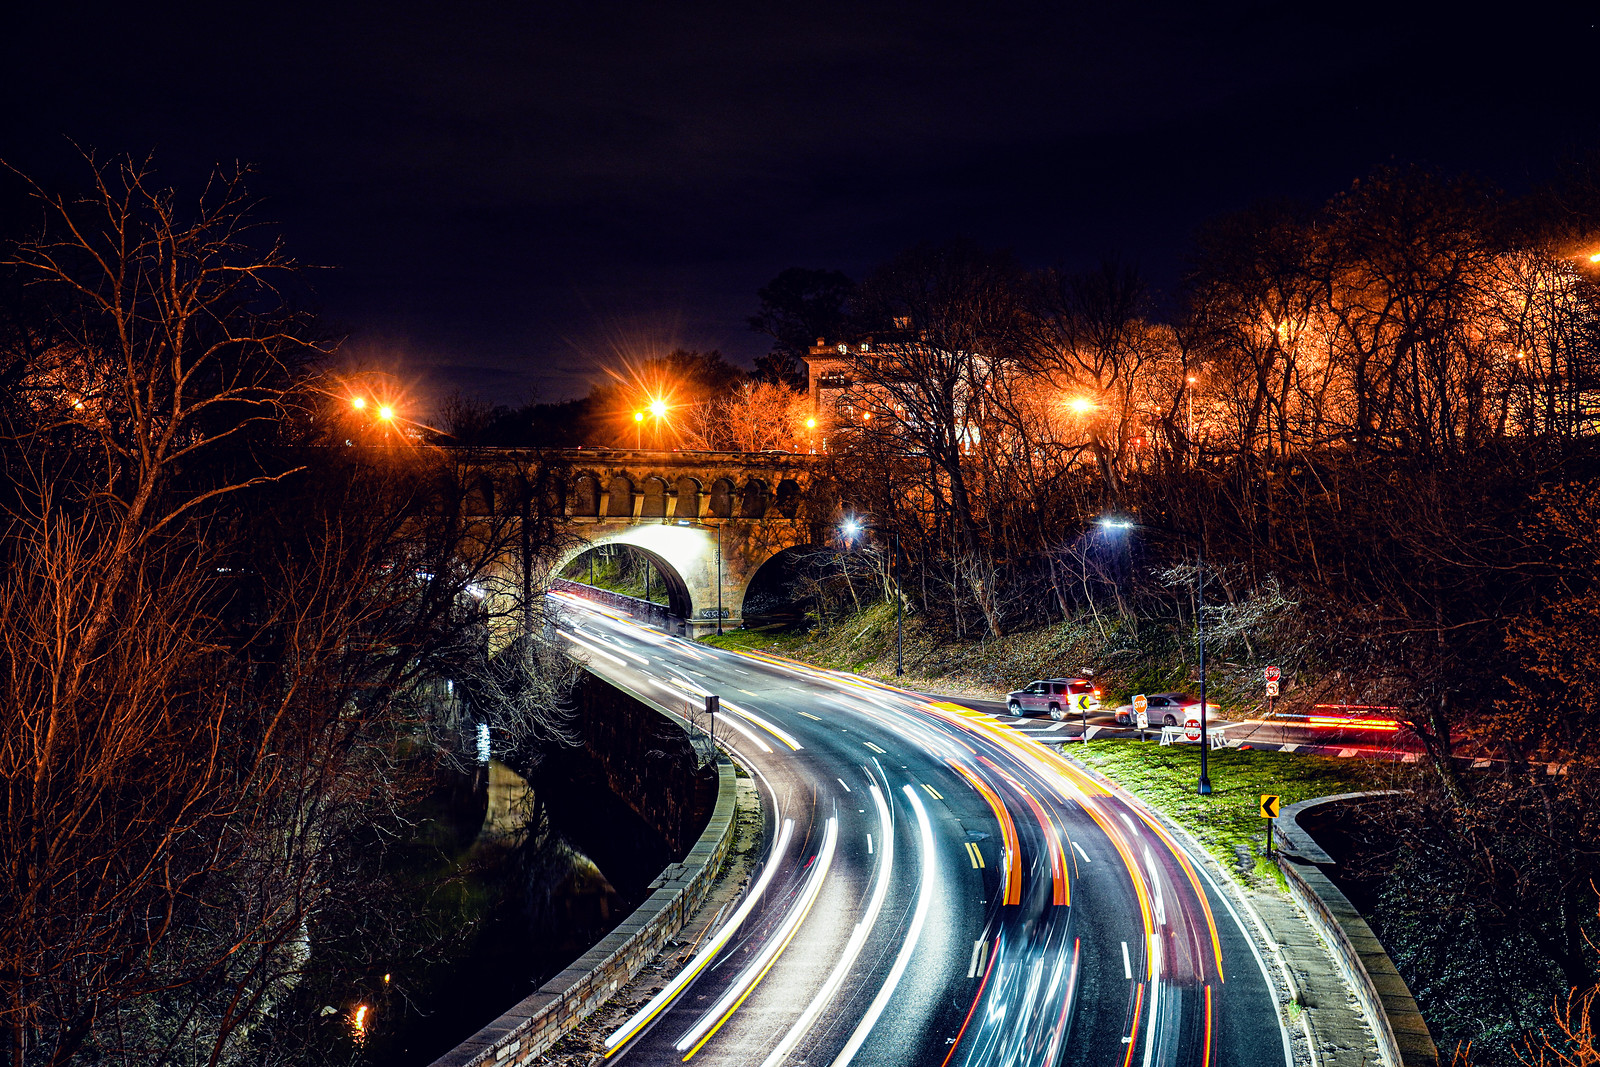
658,409
638,429
1110,524
851,528
811,425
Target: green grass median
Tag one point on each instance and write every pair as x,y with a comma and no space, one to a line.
1229,819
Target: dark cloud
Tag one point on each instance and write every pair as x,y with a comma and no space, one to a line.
509,191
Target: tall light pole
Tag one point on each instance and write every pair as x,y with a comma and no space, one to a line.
851,528
1112,523
638,430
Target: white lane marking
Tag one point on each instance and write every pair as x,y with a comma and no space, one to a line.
980,958
711,948
842,782
736,670
1127,964
1082,853
775,944
874,747
852,948
930,881
869,844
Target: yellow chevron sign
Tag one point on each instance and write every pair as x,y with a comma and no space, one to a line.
1269,806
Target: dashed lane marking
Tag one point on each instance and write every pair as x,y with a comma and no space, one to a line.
932,792
874,747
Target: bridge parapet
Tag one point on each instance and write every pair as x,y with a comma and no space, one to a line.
609,484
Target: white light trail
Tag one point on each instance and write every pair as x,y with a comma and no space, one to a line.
852,948
913,934
701,1032
626,1031
780,734
591,649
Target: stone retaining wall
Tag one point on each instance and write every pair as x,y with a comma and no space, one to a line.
1403,1038
541,1019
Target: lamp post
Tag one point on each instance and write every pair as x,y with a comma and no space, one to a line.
851,528
638,430
1111,523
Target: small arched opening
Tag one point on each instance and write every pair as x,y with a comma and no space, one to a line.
654,505
721,499
586,496
755,500
687,506
788,498
619,501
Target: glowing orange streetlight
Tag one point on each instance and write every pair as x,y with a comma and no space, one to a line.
386,413
638,429
1081,405
658,408
358,402
1595,258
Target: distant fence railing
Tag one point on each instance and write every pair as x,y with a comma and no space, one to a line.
647,610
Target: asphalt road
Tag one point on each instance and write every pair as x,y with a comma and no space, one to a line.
939,889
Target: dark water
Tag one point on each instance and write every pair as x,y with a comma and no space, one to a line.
508,900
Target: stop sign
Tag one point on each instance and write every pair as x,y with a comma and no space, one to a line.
1272,674
1191,730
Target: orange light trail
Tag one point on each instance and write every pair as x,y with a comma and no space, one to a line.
1061,892
1008,831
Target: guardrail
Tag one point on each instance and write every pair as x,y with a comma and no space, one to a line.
1403,1038
541,1019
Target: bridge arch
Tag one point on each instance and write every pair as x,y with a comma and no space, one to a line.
680,600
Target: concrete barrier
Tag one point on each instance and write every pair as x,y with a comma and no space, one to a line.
541,1019
1403,1038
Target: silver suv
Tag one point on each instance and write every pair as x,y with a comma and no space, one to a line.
1056,697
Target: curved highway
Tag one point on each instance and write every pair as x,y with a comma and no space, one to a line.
938,889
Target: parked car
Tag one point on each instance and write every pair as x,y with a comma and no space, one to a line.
1055,697
1166,709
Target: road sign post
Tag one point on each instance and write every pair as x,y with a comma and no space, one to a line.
1141,713
1272,674
1269,812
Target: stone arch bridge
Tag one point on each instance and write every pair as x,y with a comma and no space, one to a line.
709,521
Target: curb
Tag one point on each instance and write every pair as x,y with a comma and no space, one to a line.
1402,1034
532,1026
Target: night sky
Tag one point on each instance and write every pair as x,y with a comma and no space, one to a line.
512,194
